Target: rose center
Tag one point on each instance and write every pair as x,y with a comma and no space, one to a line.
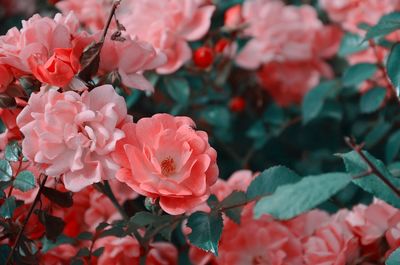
168,166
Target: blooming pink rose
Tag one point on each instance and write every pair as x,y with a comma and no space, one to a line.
332,244
129,58
73,135
47,48
284,33
305,224
168,25
393,233
60,255
6,77
164,157
261,241
127,251
351,13
303,77
370,222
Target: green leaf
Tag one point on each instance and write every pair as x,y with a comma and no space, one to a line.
232,200
4,252
393,67
13,151
5,171
392,147
377,134
371,183
178,88
386,25
291,200
351,43
63,199
206,230
315,98
85,236
217,116
269,180
24,181
394,258
8,207
98,252
142,219
358,73
48,244
372,100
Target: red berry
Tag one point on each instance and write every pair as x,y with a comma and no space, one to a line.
203,57
237,104
221,45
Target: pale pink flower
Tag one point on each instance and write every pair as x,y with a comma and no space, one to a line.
305,224
261,241
164,157
168,25
351,13
332,244
129,59
47,48
127,251
233,16
73,135
370,222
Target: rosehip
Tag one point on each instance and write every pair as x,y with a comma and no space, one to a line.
237,104
221,45
203,57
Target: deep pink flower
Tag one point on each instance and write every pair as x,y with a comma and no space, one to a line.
164,157
72,135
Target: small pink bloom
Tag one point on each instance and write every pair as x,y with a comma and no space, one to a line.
127,251
73,135
130,58
262,241
370,222
164,157
332,244
303,77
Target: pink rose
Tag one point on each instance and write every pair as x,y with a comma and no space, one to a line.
261,241
332,244
130,58
164,157
303,77
127,251
47,48
168,25
351,13
72,135
370,222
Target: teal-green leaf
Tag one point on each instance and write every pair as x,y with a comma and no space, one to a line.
315,98
206,230
291,200
371,183
394,258
269,180
24,181
386,25
13,151
393,67
392,147
372,99
178,88
5,170
8,207
351,43
377,133
358,73
217,116
4,252
232,200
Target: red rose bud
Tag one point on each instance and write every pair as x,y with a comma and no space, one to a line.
203,57
237,104
221,45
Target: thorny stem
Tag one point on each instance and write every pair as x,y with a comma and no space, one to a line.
37,198
372,168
